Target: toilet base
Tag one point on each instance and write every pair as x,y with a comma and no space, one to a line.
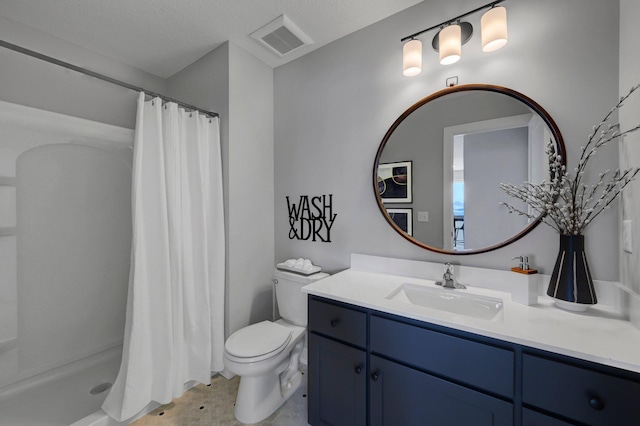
260,396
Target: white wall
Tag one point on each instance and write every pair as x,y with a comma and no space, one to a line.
333,107
74,234
630,147
240,88
66,270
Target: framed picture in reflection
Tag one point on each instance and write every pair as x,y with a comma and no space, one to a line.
403,218
394,182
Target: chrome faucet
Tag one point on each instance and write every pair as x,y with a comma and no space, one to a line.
448,279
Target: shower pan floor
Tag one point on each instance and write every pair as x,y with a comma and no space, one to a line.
60,402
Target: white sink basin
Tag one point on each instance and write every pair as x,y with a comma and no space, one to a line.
454,301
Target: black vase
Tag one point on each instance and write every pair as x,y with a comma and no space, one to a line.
571,279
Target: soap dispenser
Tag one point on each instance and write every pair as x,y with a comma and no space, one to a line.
523,267
524,288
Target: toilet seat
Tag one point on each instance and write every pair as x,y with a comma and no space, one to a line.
257,342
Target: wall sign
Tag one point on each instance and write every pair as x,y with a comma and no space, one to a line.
311,218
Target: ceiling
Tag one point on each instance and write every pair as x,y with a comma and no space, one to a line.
164,36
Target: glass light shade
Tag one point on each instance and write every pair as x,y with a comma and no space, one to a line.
450,44
412,58
494,29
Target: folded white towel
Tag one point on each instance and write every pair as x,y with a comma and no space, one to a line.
302,266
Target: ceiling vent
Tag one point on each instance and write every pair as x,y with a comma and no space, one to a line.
281,36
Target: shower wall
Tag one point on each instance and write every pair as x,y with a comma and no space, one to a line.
65,236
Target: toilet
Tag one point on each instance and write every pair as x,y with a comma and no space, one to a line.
266,355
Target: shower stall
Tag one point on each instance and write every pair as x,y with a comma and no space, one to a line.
65,238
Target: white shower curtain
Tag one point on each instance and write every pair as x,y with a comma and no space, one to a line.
174,330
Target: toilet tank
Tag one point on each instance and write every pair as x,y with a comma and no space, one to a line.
292,301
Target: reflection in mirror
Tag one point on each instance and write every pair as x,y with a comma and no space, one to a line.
394,182
402,218
443,161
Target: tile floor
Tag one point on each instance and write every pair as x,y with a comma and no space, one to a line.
212,405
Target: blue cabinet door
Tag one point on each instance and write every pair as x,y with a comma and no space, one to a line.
337,384
533,418
403,396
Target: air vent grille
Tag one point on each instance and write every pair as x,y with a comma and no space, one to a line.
281,36
282,40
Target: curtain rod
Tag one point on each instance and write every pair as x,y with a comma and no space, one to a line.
99,76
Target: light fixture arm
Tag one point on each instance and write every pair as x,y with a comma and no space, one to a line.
450,21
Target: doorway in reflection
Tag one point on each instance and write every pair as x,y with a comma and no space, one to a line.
458,193
481,161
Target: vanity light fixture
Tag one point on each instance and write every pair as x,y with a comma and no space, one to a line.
450,44
453,34
412,57
494,29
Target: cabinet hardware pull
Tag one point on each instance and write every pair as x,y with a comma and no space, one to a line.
596,403
335,322
358,369
375,375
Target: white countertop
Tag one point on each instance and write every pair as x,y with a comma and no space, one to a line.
600,334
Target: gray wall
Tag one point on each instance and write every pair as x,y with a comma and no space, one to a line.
333,106
251,220
240,88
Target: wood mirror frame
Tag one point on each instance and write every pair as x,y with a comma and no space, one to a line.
528,102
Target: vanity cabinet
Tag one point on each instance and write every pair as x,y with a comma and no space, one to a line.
411,377
372,368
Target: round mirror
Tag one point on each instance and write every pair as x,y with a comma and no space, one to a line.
438,170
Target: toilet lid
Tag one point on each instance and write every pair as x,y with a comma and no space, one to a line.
258,339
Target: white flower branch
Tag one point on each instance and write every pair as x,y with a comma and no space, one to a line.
566,203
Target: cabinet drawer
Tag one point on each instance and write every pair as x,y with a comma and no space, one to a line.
580,394
338,322
483,366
